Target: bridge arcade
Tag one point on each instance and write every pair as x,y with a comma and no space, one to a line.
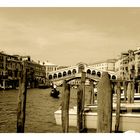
75,72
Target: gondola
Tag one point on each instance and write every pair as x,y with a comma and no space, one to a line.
54,93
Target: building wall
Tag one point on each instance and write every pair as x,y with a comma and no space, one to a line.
36,73
108,65
50,67
137,63
125,66
11,70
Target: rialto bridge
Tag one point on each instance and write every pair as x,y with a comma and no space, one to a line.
75,72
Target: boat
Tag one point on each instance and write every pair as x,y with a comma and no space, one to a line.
54,93
136,97
129,117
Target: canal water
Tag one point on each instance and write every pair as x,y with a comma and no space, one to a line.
40,108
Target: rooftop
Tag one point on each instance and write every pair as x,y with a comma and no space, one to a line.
49,64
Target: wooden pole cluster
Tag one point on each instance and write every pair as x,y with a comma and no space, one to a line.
21,108
104,101
80,104
65,107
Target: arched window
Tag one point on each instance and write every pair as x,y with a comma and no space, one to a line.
55,76
113,77
74,71
59,75
69,72
93,72
64,73
98,74
50,77
88,71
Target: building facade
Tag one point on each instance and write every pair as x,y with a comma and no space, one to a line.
11,71
126,66
108,65
37,73
49,67
137,63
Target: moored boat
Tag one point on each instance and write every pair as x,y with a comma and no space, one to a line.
136,97
128,120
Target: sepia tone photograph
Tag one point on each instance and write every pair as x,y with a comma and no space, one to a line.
69,70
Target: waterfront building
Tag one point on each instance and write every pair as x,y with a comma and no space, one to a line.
121,66
108,65
11,70
49,67
137,63
39,74
125,65
36,72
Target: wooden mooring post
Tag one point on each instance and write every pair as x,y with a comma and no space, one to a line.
125,90
132,91
118,92
104,102
21,108
65,107
138,86
80,104
79,109
129,92
92,94
83,79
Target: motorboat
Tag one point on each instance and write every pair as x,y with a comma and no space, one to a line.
129,117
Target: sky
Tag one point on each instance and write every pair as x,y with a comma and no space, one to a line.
67,36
